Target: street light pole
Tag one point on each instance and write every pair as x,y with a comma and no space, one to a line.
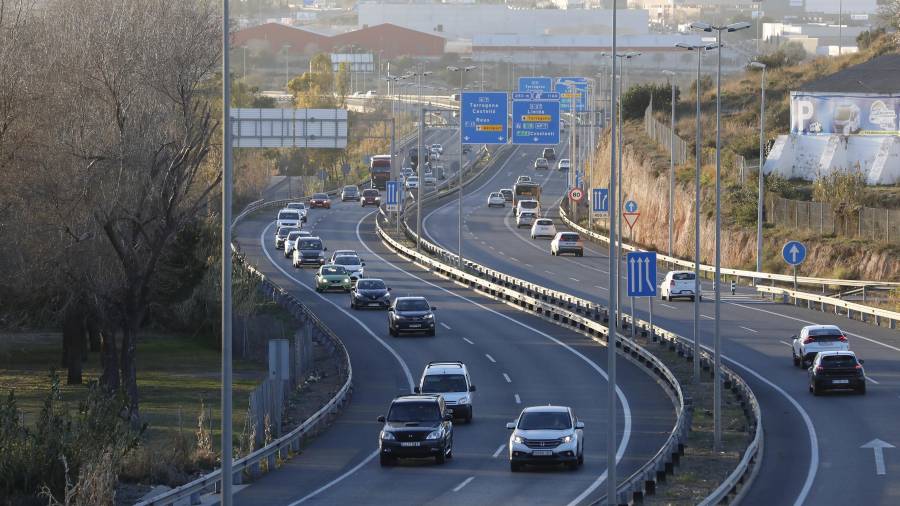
227,183
671,161
462,72
717,337
697,166
625,57
762,159
611,406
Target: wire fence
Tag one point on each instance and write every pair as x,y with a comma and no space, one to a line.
865,223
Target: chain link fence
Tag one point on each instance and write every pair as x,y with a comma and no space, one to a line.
865,223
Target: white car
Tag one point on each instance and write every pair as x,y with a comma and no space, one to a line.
371,94
523,179
814,339
528,205
525,219
429,181
543,227
300,207
679,284
496,199
546,435
452,381
353,264
288,218
541,163
407,172
567,242
291,241
342,252
564,164
412,182
437,148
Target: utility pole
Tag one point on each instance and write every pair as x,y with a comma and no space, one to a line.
671,161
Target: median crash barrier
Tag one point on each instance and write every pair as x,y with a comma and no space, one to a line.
585,316
875,315
737,273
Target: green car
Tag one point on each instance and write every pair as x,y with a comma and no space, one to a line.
332,277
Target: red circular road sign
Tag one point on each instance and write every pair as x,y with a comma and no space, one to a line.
576,194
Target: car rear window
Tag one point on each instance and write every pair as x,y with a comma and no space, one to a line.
439,383
529,204
293,235
569,237
545,420
346,260
683,276
835,333
284,231
545,222
838,361
349,188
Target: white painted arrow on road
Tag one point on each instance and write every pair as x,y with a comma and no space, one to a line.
878,447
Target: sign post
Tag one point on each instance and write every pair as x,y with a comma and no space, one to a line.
794,253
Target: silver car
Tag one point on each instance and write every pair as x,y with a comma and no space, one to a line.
546,435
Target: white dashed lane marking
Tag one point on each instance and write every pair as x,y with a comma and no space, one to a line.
506,377
468,340
490,358
464,483
518,400
445,325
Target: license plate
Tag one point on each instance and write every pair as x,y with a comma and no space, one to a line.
410,443
542,453
374,304
414,325
840,382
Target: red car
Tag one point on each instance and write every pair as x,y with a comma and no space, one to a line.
370,197
320,200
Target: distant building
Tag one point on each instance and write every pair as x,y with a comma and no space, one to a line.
816,38
844,121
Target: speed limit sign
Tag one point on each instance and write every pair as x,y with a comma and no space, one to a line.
576,194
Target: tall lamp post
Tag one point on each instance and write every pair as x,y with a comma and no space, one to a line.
227,186
717,338
700,48
625,57
671,160
612,333
462,73
762,160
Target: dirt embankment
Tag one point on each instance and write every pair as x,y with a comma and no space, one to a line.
827,257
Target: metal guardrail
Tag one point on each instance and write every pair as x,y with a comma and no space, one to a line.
583,315
739,273
822,301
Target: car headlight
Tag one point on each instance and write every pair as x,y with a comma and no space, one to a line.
463,400
567,439
347,279
387,436
429,317
436,434
518,439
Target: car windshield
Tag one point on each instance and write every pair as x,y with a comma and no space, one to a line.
529,204
293,236
288,215
320,196
346,260
545,420
413,179
683,276
838,361
405,412
439,383
329,270
412,305
296,206
568,237
370,284
284,231
310,244
370,193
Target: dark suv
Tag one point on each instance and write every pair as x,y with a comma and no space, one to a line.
411,314
549,154
370,197
837,370
416,426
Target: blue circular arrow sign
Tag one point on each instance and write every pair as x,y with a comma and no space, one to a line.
794,252
631,206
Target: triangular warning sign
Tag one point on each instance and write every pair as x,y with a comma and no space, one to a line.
631,218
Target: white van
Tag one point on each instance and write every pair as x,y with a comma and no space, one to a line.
528,205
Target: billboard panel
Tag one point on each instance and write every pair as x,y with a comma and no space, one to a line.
844,114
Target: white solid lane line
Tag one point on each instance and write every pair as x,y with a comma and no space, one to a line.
468,340
707,317
574,279
499,451
506,377
784,342
748,329
490,358
518,399
668,306
445,325
464,483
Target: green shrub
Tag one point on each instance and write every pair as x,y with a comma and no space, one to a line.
637,98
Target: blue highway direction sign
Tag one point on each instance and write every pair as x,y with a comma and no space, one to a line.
484,117
600,200
794,252
530,84
641,273
572,88
535,122
392,200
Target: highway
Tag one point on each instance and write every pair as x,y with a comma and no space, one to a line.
515,360
813,451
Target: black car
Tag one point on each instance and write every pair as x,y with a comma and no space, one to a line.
414,157
549,154
416,426
837,370
411,314
370,293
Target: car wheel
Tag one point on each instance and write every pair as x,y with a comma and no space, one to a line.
440,458
581,253
581,459
814,388
861,390
391,331
431,333
470,415
386,461
514,466
352,304
795,358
